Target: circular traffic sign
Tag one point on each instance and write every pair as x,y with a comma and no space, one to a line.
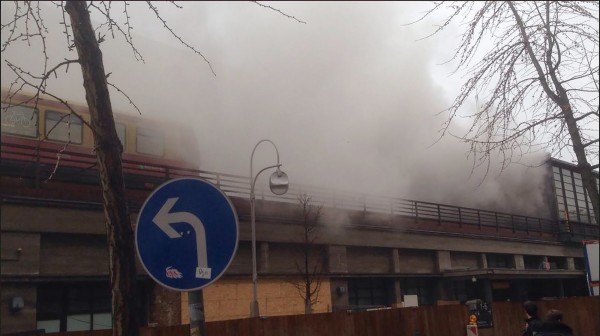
186,234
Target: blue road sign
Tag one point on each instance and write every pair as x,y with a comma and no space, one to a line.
186,234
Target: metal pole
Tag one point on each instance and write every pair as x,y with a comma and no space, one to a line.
196,309
254,311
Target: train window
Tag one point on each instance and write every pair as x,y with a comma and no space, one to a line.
19,120
121,134
150,141
64,127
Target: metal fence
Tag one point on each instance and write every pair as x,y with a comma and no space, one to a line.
580,313
41,163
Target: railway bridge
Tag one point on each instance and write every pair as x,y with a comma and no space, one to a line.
369,251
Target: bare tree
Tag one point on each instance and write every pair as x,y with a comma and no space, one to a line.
28,26
311,266
534,65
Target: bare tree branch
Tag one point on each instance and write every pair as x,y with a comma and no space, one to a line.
167,27
538,72
278,11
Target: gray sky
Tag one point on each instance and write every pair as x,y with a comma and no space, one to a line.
350,98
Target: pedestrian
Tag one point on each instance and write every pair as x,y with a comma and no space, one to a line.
532,320
554,326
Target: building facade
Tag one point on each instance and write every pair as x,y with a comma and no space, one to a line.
367,252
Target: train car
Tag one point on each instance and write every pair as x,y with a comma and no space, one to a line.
42,137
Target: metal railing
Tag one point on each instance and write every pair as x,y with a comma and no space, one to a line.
40,163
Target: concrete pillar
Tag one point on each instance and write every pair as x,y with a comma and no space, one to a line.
397,294
339,294
519,261
443,261
395,261
570,263
263,260
336,257
483,261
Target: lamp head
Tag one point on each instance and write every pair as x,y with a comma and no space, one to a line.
279,182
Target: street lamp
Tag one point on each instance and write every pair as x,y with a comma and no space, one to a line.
278,182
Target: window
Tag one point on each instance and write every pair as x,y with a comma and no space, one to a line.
495,260
422,287
533,262
364,292
465,290
64,127
557,262
150,141
572,200
19,120
74,307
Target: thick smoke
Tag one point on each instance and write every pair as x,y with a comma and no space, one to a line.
351,99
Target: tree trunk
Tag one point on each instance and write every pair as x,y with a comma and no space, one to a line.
108,149
585,169
307,278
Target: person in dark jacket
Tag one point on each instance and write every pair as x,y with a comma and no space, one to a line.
532,320
553,325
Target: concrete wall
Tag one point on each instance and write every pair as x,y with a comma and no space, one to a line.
24,319
462,260
69,254
20,253
364,260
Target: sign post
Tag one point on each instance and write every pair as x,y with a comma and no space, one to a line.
472,330
196,310
186,237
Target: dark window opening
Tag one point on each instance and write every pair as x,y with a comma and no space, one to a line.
533,262
367,292
499,260
77,306
422,287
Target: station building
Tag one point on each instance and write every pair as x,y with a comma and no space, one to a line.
369,252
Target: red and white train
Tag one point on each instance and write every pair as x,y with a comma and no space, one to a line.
41,136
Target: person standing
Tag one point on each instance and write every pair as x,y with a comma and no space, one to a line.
553,325
532,320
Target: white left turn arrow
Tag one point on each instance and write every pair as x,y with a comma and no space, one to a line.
164,218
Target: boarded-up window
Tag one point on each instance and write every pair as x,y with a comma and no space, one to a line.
20,120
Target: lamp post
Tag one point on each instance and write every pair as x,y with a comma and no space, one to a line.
278,182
